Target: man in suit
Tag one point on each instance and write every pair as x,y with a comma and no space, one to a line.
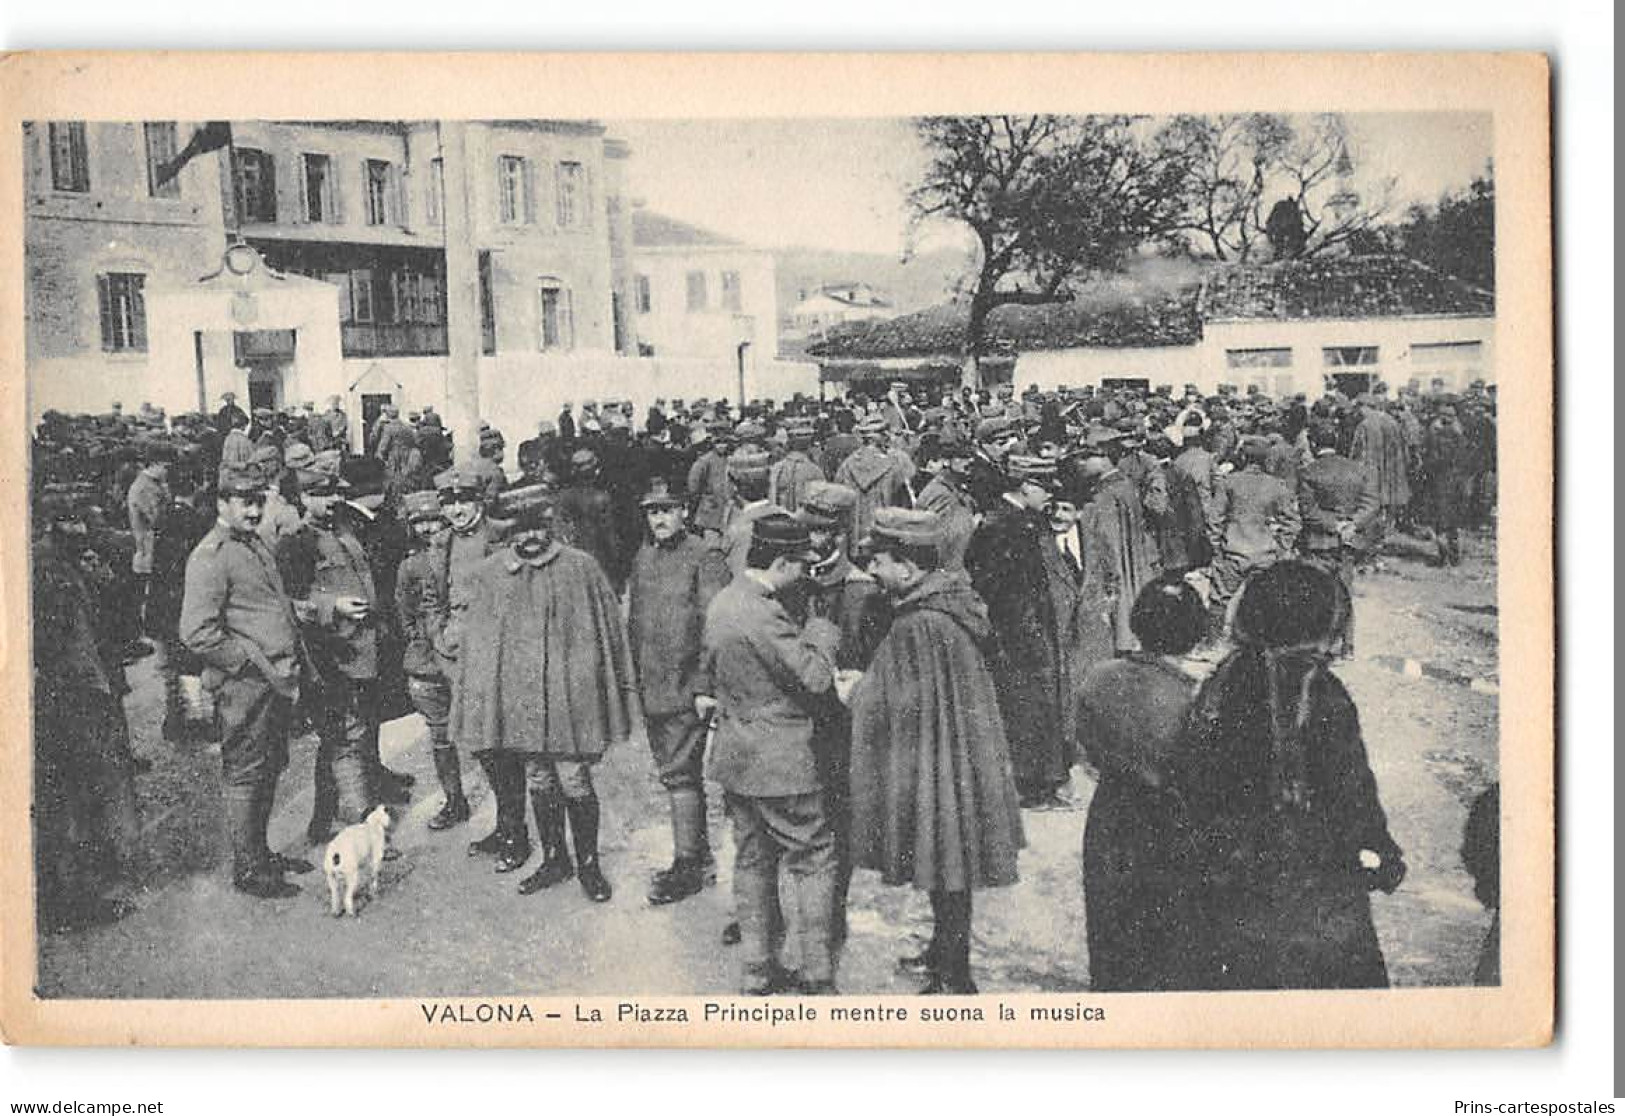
1255,520
1338,501
230,416
767,675
237,618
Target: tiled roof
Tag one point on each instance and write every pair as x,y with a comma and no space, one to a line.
1140,316
655,230
1346,287
1125,313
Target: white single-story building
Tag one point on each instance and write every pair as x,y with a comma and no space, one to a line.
1287,327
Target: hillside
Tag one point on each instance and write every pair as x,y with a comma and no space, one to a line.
926,280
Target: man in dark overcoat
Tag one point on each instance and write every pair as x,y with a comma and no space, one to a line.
1337,500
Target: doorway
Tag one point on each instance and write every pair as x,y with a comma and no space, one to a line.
372,405
267,355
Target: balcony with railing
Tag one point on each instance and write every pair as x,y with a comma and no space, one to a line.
380,339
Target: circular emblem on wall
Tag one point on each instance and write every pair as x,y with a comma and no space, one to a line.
244,308
241,259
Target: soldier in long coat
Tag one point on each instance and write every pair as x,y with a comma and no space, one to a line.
1114,508
546,673
1379,444
708,484
1446,484
792,473
948,495
874,474
934,800
674,577
1007,568
586,517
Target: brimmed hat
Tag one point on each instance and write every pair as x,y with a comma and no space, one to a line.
661,495
527,507
906,526
241,480
419,506
874,424
749,431
799,433
459,482
1042,471
826,505
783,534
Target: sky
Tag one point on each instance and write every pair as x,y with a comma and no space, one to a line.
842,183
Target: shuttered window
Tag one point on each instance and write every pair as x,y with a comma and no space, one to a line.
70,157
160,143
557,327
123,312
515,202
572,195
254,175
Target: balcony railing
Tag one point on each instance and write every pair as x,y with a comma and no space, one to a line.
398,339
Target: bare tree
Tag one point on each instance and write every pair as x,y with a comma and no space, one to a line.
1047,198
1241,168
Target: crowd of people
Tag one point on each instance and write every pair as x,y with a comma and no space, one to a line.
884,626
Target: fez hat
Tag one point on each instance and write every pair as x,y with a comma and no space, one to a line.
784,535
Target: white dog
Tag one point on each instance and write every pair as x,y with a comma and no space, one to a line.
352,861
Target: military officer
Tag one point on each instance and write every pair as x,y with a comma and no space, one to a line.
237,618
767,673
325,570
420,590
472,538
791,474
674,577
1339,502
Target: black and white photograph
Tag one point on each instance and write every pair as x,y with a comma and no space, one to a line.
670,566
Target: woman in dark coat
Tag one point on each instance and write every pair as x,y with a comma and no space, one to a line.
1130,715
1287,832
933,796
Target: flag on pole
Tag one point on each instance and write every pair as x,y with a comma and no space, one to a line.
212,136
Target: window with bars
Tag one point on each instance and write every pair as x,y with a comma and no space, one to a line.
321,194
254,176
572,191
645,295
513,191
557,329
696,291
159,139
70,157
123,312
732,298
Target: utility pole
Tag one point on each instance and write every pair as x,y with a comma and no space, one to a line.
463,336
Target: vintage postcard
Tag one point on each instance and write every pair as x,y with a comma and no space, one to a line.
777,550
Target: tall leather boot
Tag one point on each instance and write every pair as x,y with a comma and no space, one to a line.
952,977
548,806
686,876
454,811
491,843
251,871
584,829
510,788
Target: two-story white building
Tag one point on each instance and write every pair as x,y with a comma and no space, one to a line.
700,294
